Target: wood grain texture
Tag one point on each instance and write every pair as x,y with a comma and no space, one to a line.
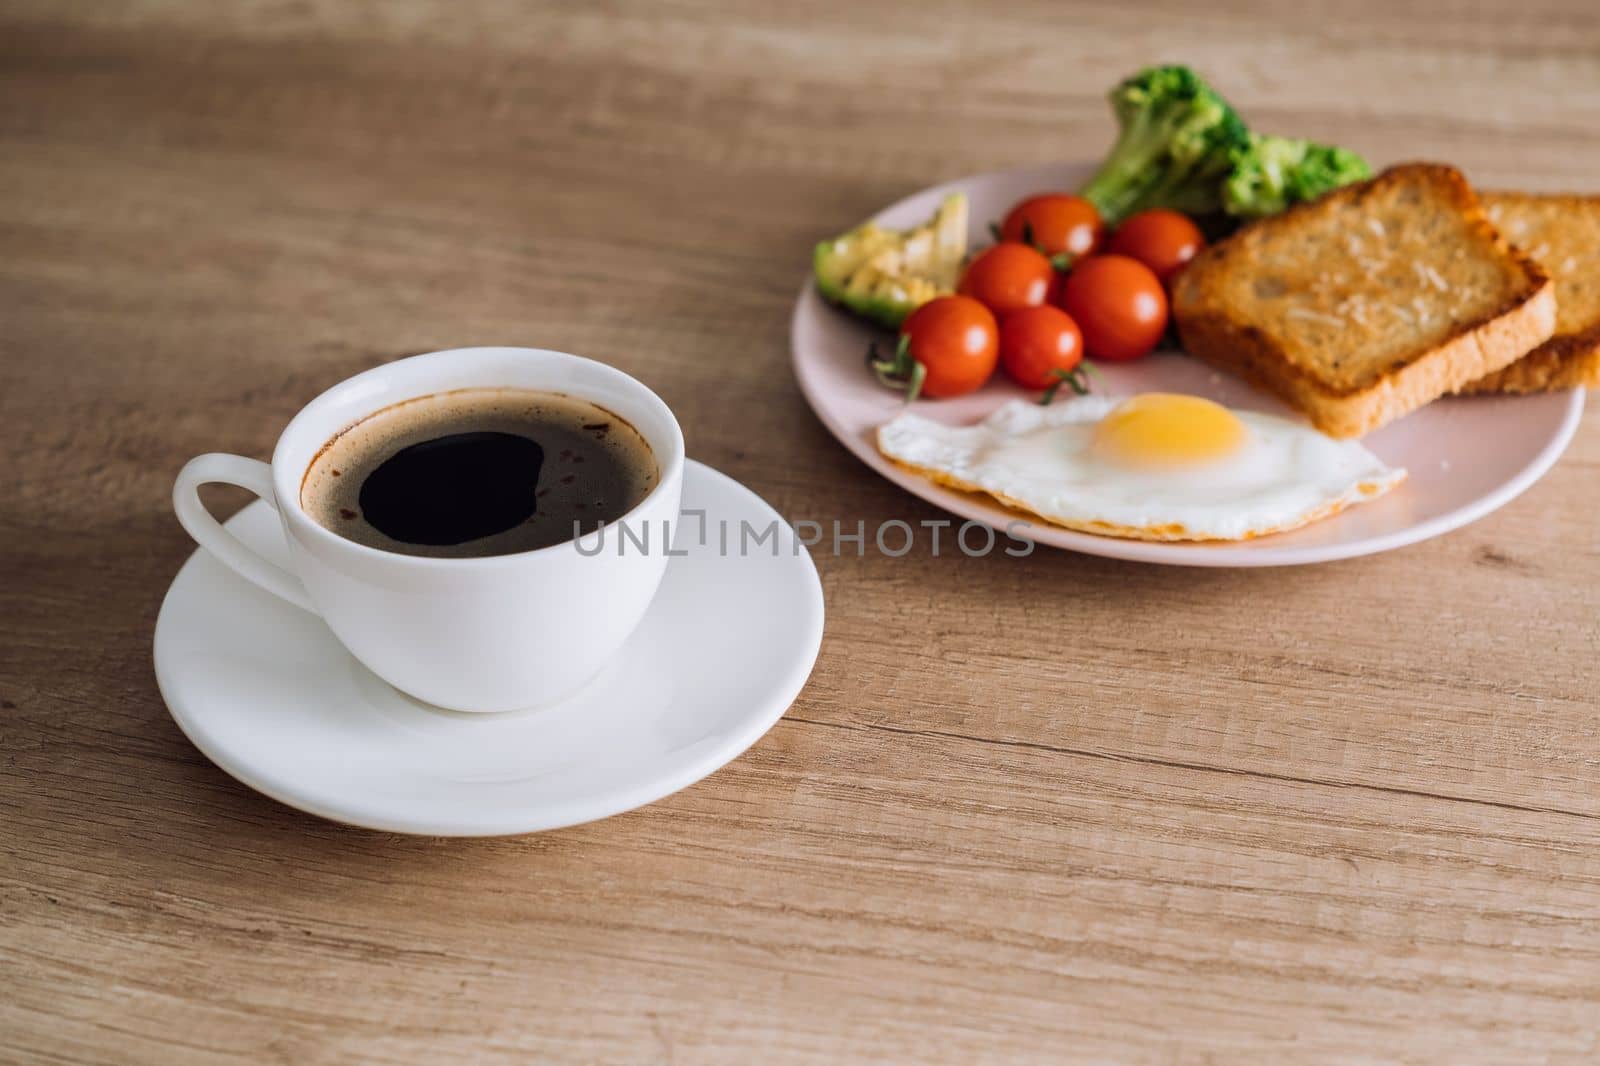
1051,809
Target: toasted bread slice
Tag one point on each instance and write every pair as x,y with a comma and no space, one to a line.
1369,302
1561,234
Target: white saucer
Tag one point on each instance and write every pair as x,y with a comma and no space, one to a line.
267,693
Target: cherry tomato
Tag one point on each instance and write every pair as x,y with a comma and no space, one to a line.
1056,223
1162,240
948,347
1119,305
1008,277
1039,346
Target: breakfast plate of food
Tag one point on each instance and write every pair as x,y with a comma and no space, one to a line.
1212,348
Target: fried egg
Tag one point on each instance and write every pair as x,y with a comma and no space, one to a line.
1157,466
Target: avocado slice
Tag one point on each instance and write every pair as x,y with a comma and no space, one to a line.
883,274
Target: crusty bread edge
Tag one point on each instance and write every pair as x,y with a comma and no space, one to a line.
1565,361
1478,350
1467,357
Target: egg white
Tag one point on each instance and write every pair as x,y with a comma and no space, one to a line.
1040,460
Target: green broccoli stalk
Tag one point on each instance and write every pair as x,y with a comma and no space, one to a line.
1277,172
1177,143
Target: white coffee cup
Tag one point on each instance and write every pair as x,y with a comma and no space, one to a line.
493,633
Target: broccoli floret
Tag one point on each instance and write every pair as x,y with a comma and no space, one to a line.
1277,172
1177,143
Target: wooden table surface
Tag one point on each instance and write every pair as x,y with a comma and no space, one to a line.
1049,809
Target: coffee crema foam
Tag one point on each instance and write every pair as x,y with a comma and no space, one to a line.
595,468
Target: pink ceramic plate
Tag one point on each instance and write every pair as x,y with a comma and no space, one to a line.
1466,456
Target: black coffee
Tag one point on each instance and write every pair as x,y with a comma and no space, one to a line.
478,472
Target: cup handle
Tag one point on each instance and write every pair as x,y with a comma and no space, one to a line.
254,476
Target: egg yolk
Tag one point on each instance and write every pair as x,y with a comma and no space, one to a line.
1159,429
